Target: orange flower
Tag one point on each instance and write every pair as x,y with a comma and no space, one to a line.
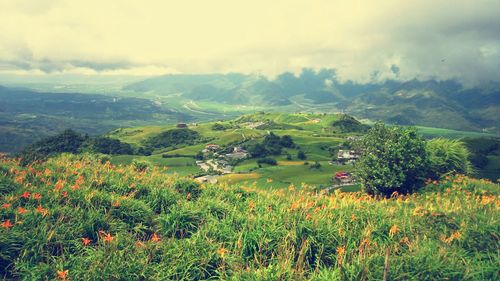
64,194
6,205
251,205
108,237
116,204
59,185
26,195
62,275
41,210
340,250
222,252
21,211
86,241
269,180
353,217
139,244
47,172
7,224
394,229
37,196
155,238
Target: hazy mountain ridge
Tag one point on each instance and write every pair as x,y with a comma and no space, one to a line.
446,104
26,116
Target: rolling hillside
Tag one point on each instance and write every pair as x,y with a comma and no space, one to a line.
444,104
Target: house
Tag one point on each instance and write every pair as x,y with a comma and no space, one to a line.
238,153
347,156
182,125
212,146
342,178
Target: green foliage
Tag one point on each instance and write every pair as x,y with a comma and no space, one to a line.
271,145
394,159
348,124
140,165
173,137
67,141
447,157
107,146
301,155
268,161
70,141
143,226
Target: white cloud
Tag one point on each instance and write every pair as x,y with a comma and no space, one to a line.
444,39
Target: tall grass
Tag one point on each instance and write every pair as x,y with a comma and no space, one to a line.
448,157
76,218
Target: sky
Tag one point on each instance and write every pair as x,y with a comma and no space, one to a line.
362,40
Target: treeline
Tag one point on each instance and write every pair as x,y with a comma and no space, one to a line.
173,137
73,142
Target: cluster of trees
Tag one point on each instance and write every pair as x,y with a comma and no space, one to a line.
481,148
349,124
73,142
221,127
397,159
173,137
271,145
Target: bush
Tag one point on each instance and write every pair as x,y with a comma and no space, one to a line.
301,155
140,166
394,159
269,161
446,157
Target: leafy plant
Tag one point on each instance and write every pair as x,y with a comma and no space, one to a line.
446,157
393,159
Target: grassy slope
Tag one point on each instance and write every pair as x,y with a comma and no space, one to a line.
312,140
152,226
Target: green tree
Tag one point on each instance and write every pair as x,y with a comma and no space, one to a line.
447,157
394,159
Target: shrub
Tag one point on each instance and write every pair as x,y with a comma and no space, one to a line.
394,159
140,166
447,156
301,155
185,186
269,161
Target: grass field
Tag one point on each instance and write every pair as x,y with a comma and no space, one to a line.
447,133
75,218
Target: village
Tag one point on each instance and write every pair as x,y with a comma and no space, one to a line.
216,162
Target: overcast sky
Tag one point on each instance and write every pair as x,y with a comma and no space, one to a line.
361,39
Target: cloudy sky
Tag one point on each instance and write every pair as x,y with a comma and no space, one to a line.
361,39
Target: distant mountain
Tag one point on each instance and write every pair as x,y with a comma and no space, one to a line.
26,116
446,104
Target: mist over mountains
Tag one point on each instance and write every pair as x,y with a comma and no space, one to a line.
446,104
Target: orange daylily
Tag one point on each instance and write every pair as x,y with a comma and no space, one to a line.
41,210
37,196
222,252
7,224
155,238
47,172
21,211
108,237
62,275
6,205
86,241
26,195
394,229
